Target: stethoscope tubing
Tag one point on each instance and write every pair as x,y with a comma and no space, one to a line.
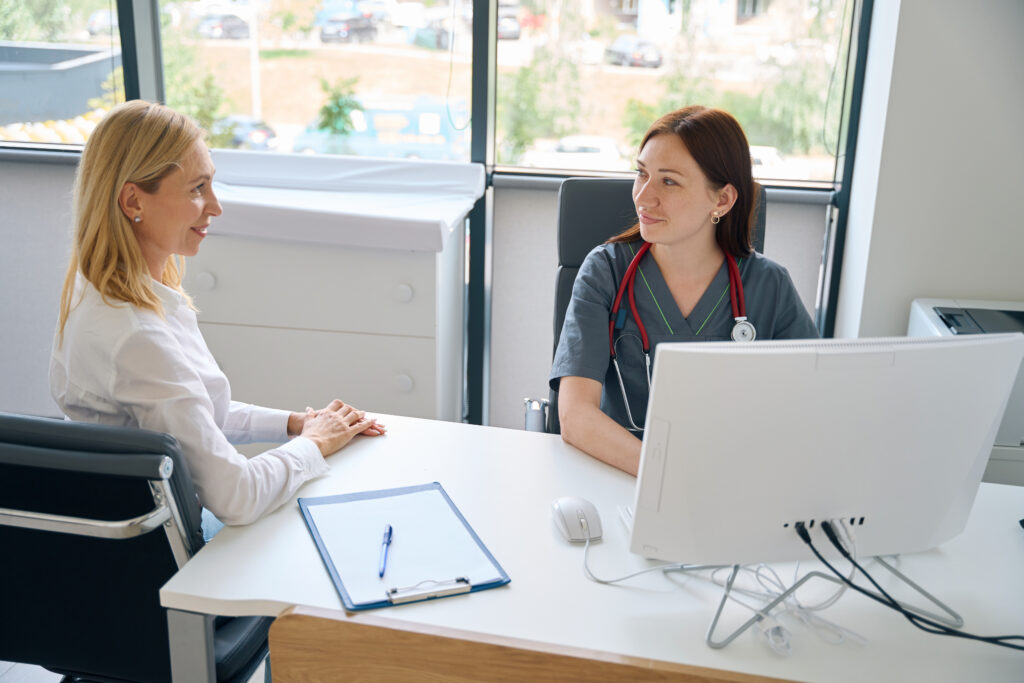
743,330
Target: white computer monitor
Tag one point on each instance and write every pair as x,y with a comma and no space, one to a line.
744,440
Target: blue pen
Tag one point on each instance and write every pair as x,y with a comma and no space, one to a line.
385,543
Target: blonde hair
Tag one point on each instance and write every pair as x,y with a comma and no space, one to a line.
136,142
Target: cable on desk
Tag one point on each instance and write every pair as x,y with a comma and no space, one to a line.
672,566
923,623
774,634
772,587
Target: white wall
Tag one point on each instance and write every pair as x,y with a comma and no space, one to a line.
522,300
939,171
35,225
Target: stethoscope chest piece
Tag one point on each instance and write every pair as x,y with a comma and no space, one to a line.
743,331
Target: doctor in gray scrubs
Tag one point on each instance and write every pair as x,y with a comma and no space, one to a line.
694,197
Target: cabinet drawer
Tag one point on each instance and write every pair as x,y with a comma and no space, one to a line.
246,281
292,369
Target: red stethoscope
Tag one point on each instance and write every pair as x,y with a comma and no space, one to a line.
742,331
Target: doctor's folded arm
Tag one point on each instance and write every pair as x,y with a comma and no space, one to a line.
685,272
128,350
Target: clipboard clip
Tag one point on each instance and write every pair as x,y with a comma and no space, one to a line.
428,588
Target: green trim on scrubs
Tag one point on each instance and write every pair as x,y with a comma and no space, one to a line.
773,306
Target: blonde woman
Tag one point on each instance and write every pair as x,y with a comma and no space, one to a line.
128,350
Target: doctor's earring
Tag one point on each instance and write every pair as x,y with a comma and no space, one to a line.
138,219
715,218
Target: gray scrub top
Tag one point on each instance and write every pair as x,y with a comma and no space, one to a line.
773,307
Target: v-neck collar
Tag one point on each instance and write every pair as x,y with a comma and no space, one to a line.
651,281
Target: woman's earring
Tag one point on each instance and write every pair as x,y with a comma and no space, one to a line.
138,219
715,219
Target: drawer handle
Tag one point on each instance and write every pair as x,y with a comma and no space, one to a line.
402,293
204,281
404,383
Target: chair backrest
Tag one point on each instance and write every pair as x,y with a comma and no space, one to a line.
590,210
93,521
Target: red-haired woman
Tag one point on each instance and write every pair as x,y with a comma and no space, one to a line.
695,278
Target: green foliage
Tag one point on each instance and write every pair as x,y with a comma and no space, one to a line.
202,99
540,100
335,116
192,90
42,20
113,91
638,118
520,121
604,27
284,54
681,90
786,116
535,6
288,20
786,113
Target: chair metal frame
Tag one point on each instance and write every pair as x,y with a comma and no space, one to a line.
115,454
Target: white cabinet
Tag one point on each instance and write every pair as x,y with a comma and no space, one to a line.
294,325
335,277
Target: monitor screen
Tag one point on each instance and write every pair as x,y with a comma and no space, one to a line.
744,440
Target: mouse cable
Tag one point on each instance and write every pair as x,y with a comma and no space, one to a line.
923,623
772,584
659,568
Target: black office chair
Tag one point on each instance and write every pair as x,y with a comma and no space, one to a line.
590,210
93,521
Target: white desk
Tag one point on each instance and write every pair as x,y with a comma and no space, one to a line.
504,481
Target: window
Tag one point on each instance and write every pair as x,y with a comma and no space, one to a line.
364,77
61,69
592,69
337,76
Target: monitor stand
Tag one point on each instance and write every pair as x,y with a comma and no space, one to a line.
953,619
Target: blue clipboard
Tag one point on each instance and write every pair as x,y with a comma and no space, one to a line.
433,552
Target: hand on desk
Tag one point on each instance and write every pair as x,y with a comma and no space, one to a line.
332,427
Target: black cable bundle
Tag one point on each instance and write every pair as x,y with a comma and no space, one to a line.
923,623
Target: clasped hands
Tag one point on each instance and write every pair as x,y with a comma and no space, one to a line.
331,428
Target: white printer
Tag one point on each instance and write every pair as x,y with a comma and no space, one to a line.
943,317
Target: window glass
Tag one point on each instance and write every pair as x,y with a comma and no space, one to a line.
366,77
60,69
604,70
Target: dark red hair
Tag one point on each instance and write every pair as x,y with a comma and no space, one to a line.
717,143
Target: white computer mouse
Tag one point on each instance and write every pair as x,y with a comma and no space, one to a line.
576,518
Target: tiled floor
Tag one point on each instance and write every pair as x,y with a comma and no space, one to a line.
25,673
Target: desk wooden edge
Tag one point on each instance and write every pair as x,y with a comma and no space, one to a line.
315,644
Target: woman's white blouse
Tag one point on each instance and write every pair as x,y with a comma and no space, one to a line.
122,365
